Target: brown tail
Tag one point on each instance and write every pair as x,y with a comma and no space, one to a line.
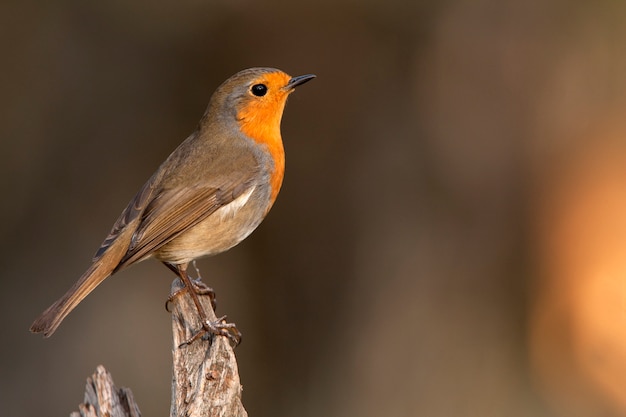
102,268
50,319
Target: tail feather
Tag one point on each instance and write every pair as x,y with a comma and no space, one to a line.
102,268
50,319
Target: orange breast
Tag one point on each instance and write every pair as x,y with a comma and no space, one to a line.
261,122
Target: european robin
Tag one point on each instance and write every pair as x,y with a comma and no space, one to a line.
207,196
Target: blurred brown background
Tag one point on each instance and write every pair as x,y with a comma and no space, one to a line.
450,239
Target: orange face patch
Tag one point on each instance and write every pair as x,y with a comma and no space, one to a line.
259,118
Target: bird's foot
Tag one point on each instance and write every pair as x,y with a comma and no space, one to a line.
218,327
200,288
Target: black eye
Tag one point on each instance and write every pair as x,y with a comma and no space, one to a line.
259,90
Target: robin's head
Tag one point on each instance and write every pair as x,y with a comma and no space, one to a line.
256,98
252,102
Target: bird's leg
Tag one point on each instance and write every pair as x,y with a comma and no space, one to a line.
198,286
218,327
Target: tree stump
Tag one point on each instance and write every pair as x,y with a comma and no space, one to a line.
205,374
205,379
102,398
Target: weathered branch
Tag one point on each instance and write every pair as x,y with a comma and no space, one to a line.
102,398
205,375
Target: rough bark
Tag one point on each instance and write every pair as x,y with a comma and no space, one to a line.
205,374
103,398
205,378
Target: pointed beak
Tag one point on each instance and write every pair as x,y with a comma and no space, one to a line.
296,81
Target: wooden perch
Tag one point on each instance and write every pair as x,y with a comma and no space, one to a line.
102,398
205,375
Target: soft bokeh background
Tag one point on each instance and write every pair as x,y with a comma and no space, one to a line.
450,239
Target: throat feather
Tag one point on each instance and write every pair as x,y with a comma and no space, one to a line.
267,133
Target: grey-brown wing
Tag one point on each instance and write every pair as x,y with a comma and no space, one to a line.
174,211
164,207
133,210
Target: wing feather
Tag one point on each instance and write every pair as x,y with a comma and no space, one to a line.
172,212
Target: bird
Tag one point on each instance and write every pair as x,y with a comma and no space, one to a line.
211,192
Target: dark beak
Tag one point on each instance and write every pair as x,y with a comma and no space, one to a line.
296,81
